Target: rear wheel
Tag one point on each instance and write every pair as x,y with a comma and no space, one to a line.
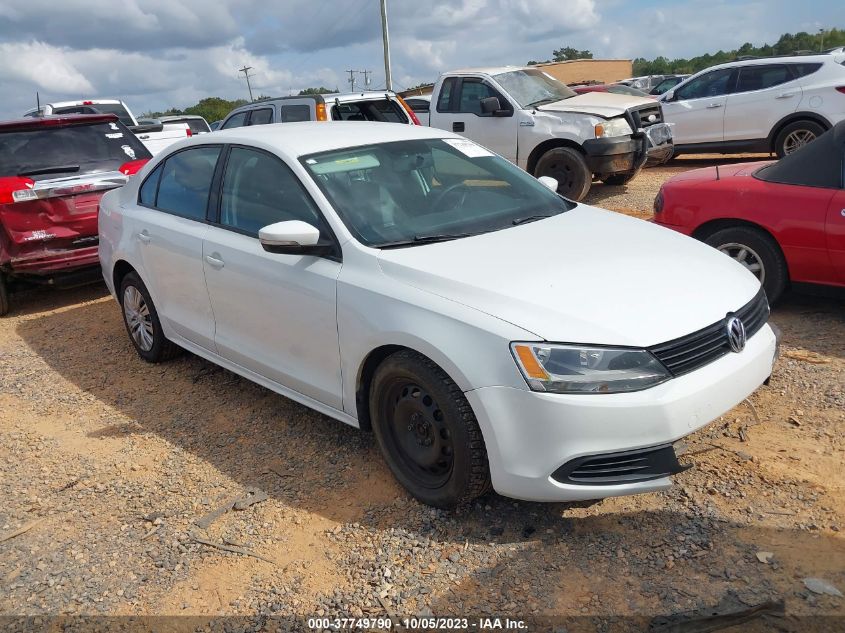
142,322
795,136
569,168
4,296
427,431
758,252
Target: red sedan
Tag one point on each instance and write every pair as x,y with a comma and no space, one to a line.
784,221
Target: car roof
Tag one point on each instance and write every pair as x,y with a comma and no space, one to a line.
61,120
179,117
490,70
784,59
311,137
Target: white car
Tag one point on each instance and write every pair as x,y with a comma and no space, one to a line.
406,280
774,104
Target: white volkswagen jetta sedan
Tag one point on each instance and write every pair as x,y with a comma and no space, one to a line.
406,280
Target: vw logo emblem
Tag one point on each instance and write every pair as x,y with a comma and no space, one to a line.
735,329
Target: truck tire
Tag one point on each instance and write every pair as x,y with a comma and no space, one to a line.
4,296
567,166
795,135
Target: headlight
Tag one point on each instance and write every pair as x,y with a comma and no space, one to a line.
583,369
613,127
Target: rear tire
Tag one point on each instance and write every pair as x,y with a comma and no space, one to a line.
796,135
568,167
752,248
4,296
142,323
427,431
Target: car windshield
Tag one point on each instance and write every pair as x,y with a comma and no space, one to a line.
81,149
412,192
532,87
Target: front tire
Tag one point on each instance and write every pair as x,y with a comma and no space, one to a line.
427,431
796,135
758,252
142,323
4,296
568,167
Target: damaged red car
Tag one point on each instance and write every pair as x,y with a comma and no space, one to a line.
53,171
784,221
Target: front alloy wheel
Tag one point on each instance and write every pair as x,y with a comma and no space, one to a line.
138,319
142,322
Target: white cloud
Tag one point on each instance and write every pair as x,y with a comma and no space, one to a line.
41,65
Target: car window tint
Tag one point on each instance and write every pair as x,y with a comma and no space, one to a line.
261,117
472,92
712,84
294,113
147,192
418,105
446,94
802,70
236,120
259,189
186,181
762,77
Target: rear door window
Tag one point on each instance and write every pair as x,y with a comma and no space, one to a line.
762,77
236,120
294,113
263,116
71,150
186,181
802,70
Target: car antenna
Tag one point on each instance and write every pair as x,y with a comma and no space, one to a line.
37,104
717,173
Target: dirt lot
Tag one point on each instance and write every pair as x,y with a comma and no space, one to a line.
106,462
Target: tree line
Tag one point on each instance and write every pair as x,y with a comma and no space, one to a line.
787,44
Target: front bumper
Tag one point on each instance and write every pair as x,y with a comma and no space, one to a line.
531,435
615,155
660,147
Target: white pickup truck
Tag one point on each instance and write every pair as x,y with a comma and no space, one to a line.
154,134
544,127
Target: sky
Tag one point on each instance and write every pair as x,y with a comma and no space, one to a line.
155,54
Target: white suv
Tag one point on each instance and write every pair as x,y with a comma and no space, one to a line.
775,104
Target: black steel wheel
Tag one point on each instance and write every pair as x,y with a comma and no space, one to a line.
4,296
427,431
568,167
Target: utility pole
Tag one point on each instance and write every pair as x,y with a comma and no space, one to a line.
366,74
352,79
245,70
388,80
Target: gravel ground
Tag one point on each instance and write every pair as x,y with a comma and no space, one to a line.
106,463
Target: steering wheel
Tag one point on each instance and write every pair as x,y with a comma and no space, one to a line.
453,187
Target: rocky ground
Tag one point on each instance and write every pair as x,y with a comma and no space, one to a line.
106,463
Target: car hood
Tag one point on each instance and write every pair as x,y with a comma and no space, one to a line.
604,104
586,276
710,174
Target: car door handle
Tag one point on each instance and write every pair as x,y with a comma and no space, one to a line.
214,261
144,237
458,126
714,105
785,95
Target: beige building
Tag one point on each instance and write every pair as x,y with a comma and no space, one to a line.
602,71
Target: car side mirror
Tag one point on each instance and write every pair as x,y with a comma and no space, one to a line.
549,182
293,237
492,106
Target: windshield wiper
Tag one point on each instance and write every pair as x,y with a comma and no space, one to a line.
534,104
531,218
425,239
48,170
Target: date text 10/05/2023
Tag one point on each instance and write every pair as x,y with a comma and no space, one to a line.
425,623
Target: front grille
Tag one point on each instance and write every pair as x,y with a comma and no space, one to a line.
626,467
643,116
688,353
